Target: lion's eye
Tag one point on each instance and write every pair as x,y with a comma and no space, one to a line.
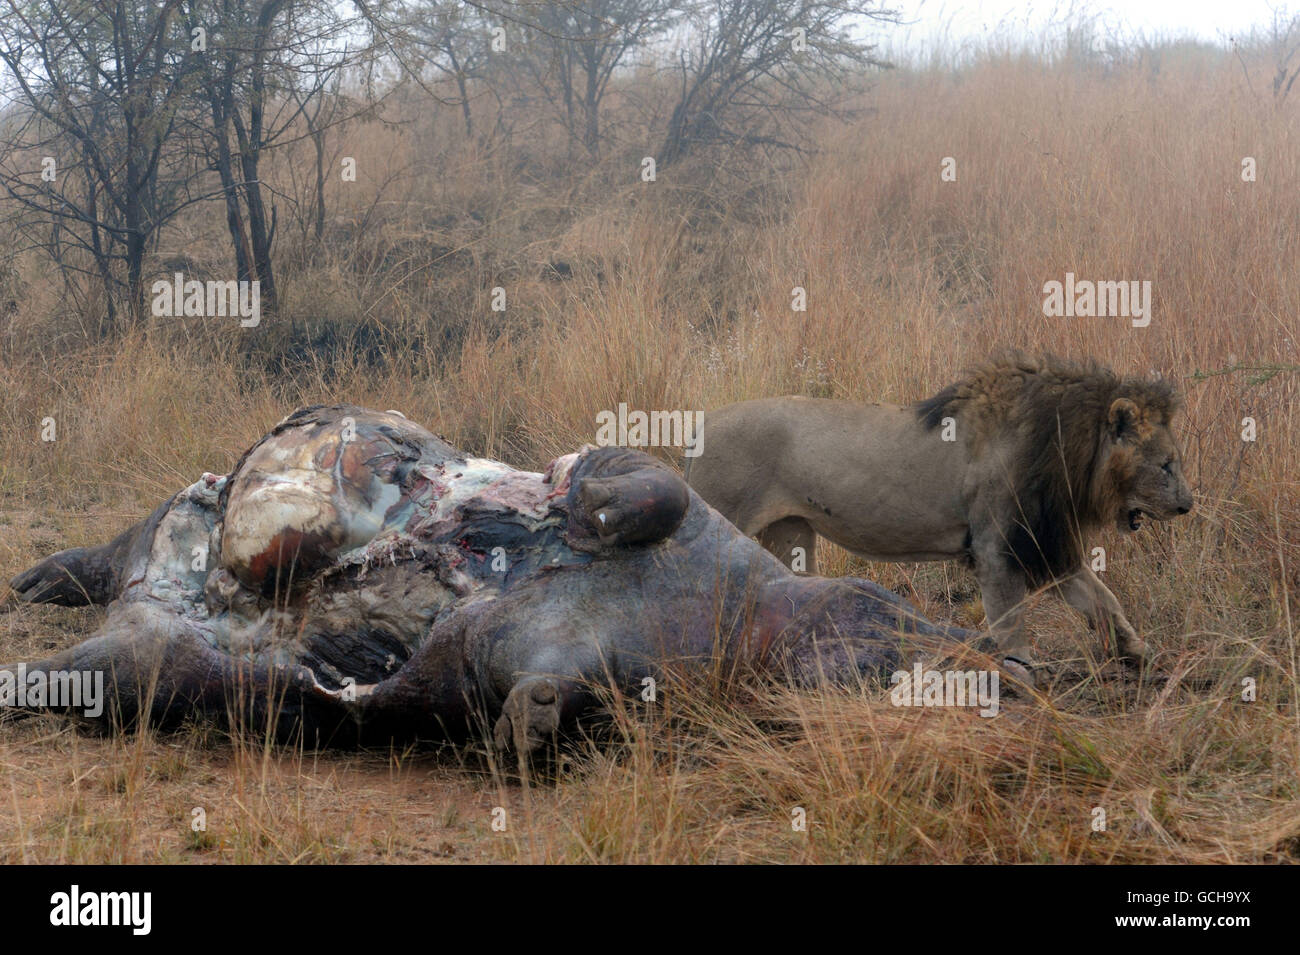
1168,466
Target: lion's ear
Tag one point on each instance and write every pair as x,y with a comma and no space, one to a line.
1124,416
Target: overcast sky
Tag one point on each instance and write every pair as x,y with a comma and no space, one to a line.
959,21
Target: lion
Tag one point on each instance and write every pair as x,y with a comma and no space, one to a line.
1009,469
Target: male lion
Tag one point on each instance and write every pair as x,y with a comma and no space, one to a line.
1009,468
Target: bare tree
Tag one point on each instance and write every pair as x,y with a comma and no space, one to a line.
568,51
751,70
576,47
1284,44
320,109
268,71
95,90
456,40
239,51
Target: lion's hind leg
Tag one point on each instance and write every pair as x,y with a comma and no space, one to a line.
794,541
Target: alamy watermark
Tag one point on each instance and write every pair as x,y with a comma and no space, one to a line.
211,299
76,908
651,429
1084,298
922,687
60,689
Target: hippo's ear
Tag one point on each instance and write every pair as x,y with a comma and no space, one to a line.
638,507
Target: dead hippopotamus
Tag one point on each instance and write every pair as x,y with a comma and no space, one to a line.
356,578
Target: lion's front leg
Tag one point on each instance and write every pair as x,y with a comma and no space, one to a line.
1085,592
1002,589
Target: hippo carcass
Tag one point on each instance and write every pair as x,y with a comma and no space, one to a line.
358,579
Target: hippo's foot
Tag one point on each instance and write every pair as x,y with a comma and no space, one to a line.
69,578
622,498
530,717
79,575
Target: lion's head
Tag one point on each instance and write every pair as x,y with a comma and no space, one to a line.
1141,468
1090,447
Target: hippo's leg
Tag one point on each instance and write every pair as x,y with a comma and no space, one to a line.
151,667
787,538
629,498
433,696
74,577
138,659
846,631
498,660
82,575
551,672
536,709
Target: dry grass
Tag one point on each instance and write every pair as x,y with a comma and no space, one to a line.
679,297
